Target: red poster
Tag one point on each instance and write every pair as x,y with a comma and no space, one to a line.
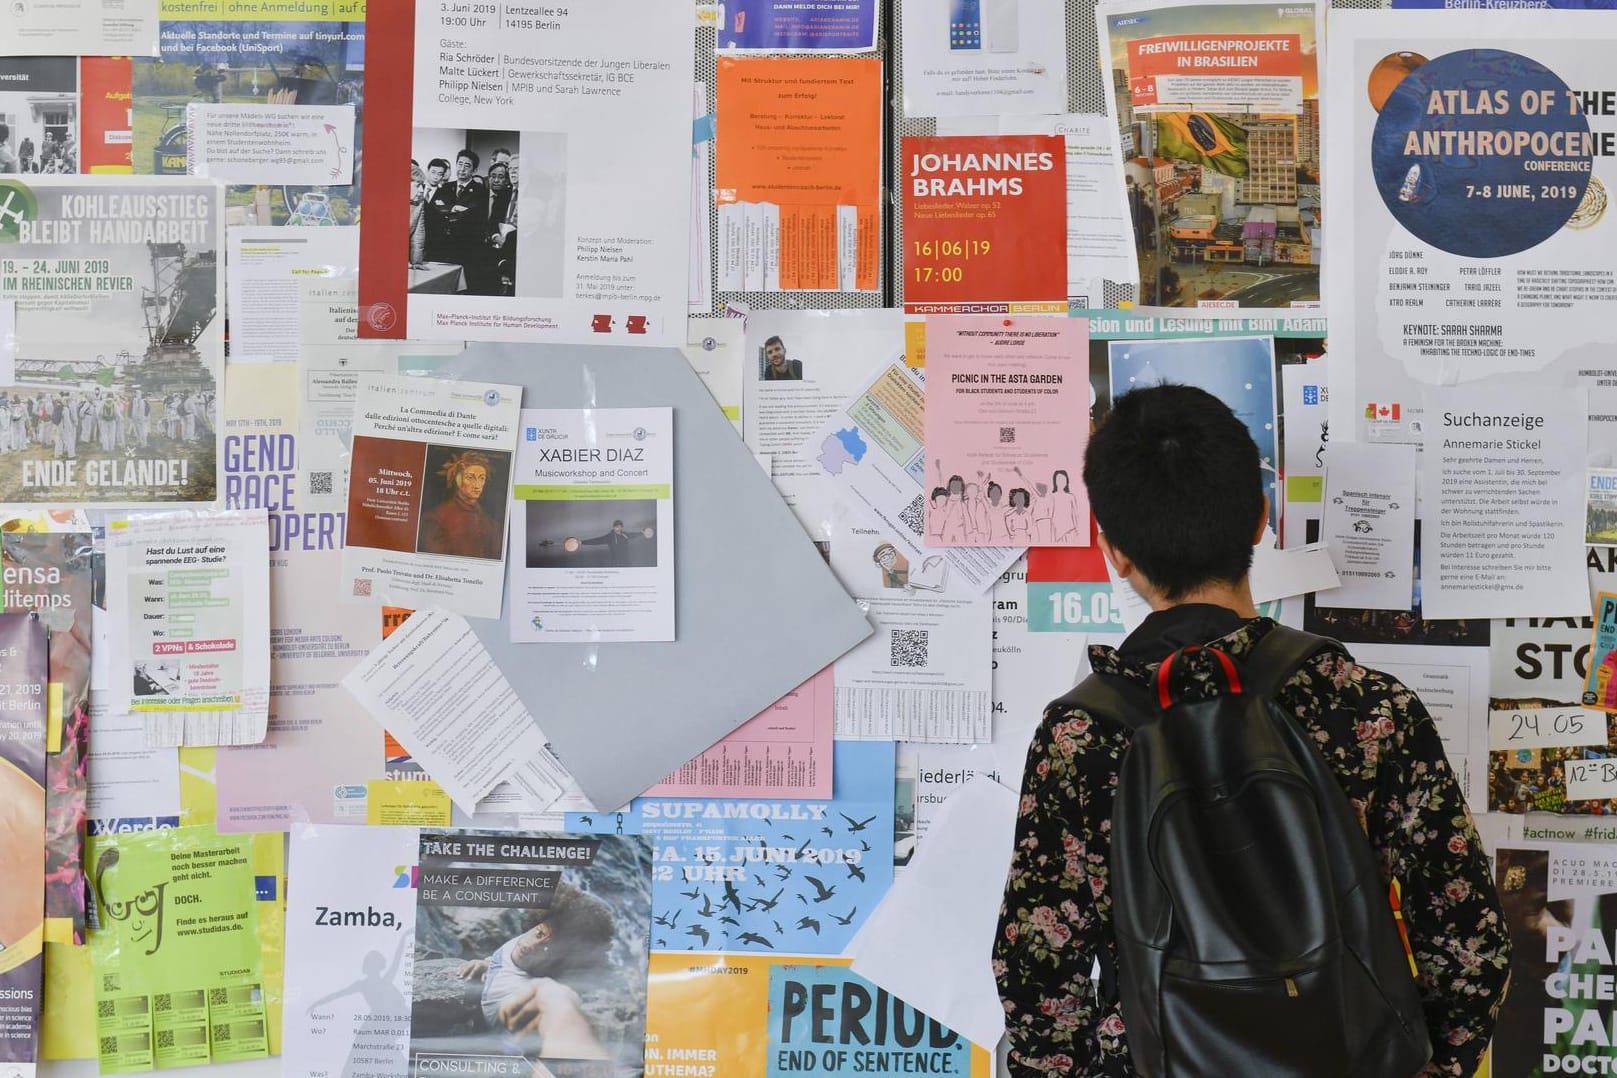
384,493
985,224
105,130
384,276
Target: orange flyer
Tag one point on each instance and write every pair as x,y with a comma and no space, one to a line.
105,134
798,170
985,225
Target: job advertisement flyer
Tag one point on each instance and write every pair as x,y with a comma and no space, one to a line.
118,287
22,836
594,526
998,425
530,954
194,658
536,128
350,924
1476,165
429,484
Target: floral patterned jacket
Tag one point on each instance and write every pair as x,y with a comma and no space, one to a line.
1385,750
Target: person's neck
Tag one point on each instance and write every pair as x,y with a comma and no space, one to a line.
1236,597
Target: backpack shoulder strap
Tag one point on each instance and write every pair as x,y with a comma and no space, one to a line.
1112,697
1278,655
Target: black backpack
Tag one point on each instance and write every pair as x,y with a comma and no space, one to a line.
1254,931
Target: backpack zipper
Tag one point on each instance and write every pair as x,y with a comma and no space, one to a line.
1291,988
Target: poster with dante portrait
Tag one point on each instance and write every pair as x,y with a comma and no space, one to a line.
429,489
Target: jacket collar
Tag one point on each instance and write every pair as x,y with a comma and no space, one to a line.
1165,631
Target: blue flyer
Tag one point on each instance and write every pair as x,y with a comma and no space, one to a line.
797,26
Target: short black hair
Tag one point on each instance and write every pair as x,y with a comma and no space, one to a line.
939,492
1175,482
438,162
775,340
617,523
470,155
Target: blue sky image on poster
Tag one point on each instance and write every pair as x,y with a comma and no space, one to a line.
795,877
1237,370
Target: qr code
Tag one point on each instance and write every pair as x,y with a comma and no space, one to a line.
218,997
1007,436
165,1038
362,586
912,516
319,482
164,1001
909,648
109,1045
221,1033
103,1008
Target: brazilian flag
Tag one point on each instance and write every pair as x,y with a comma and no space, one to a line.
1203,138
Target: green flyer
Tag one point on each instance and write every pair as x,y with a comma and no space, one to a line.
178,973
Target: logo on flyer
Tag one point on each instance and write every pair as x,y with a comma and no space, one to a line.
17,206
406,876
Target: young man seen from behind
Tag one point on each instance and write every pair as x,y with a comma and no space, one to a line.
1176,489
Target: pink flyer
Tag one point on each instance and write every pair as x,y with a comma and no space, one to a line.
1007,406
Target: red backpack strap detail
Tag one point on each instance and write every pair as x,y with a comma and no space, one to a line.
1164,692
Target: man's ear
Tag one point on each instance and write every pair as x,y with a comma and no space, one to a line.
1263,522
1120,561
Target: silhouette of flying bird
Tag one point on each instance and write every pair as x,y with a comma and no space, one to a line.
692,894
848,920
753,937
856,825
779,931
855,872
727,919
707,907
782,872
731,897
863,845
767,904
664,920
828,832
587,821
824,891
809,922
698,931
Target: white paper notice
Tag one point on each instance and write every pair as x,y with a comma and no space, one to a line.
348,991
429,485
194,659
128,780
593,102
931,939
1590,780
1368,525
1503,477
1280,574
266,267
1545,728
8,342
1447,680
714,348
984,58
274,144
80,28
926,674
592,527
435,687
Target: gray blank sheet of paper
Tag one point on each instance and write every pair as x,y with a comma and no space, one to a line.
757,609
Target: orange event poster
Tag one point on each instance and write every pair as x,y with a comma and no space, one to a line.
801,138
985,224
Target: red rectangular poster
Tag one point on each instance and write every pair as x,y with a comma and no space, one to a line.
985,224
105,130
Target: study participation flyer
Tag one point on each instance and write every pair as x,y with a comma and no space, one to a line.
22,835
594,522
1218,110
429,485
117,283
561,211
1476,164
1002,396
194,656
179,979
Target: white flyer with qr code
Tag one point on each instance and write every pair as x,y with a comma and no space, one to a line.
872,451
926,674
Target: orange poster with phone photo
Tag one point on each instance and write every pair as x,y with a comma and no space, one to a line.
798,170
